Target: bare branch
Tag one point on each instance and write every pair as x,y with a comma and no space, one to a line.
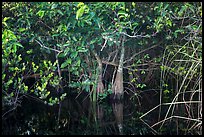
139,36
104,44
142,52
48,47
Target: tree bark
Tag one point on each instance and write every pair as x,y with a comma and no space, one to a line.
100,86
117,87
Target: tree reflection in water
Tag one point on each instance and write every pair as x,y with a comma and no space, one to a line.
75,117
118,112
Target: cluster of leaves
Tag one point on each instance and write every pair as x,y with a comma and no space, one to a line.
107,92
11,71
14,71
17,63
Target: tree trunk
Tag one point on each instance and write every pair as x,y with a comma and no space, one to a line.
59,88
100,86
117,88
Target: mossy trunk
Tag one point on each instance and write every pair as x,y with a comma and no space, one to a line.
117,87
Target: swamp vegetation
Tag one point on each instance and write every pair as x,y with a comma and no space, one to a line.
130,68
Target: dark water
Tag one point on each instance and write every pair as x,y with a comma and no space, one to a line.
78,117
81,117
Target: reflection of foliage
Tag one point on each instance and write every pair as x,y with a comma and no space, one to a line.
43,120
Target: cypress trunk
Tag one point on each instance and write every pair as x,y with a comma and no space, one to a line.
117,88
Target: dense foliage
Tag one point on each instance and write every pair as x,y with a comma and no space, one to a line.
99,47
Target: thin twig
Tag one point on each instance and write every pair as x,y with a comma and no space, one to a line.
142,52
47,47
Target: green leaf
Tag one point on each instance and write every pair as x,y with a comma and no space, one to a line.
54,6
5,19
166,6
135,24
60,12
40,13
162,68
80,4
4,23
74,38
18,44
21,29
12,94
93,41
88,22
64,65
78,62
74,54
55,35
82,49
133,4
165,85
29,51
80,12
166,91
76,73
69,61
139,61
25,88
138,85
122,13
66,45
169,23
143,85
147,56
66,51
50,99
14,48
142,72
61,55
3,76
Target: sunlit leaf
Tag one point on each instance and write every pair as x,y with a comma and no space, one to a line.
14,48
40,13
69,61
5,19
29,51
80,4
80,12
169,23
